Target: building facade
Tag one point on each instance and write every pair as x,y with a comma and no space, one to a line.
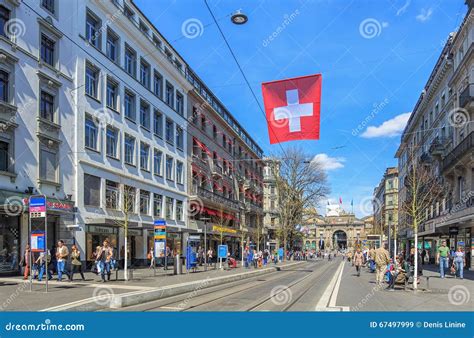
271,220
441,131
386,204
94,115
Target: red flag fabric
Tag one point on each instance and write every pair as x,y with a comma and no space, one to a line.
292,108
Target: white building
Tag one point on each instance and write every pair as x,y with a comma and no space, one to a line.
92,105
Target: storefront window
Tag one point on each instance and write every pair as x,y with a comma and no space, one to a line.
9,244
96,236
173,241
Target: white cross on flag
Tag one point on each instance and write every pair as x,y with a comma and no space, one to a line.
292,108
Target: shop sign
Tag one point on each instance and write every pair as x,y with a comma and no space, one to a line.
50,205
223,229
160,237
134,232
453,230
101,230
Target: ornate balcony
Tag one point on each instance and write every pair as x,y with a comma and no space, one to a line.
466,98
463,148
214,198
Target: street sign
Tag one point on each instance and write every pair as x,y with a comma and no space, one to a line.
37,206
222,251
160,237
38,241
194,237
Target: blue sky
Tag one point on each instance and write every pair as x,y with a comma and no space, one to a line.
375,57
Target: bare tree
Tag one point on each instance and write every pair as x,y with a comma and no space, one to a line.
423,189
301,185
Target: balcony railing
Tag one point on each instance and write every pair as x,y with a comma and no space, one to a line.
459,151
438,146
466,96
214,197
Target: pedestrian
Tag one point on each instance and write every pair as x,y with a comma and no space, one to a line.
151,258
95,256
105,257
358,260
382,259
459,262
442,258
246,257
210,255
25,261
200,256
76,264
43,264
62,254
423,255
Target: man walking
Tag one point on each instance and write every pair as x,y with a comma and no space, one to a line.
442,258
62,254
357,261
382,258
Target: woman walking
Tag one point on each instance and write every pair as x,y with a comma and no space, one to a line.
76,263
357,260
25,261
459,262
104,257
43,265
151,258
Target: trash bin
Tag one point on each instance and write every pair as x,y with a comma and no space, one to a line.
178,267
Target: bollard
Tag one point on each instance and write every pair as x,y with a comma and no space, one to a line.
177,265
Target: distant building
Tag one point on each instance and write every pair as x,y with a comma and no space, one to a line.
386,203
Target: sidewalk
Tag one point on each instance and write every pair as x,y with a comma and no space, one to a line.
362,294
15,294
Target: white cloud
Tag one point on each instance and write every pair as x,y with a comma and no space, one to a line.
390,128
328,163
425,14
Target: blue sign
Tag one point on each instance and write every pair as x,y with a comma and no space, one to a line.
159,222
190,258
222,251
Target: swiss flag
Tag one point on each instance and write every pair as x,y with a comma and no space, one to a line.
292,107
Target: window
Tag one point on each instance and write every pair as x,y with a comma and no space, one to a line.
4,156
143,27
129,149
4,83
92,79
169,131
48,5
224,141
111,142
179,137
91,190
145,73
158,123
112,90
180,104
203,123
112,46
111,194
157,205
145,115
169,99
179,172
93,30
48,165
214,131
179,210
128,12
130,104
157,159
158,84
47,50
169,168
156,41
144,154
144,202
91,134
130,61
129,201
4,17
47,106
169,208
